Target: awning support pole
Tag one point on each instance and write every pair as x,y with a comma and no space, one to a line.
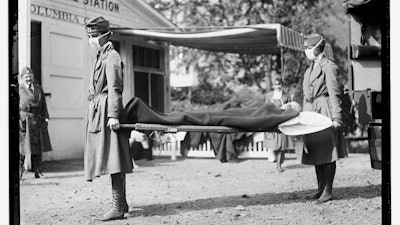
282,65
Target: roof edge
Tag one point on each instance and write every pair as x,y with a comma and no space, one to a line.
156,13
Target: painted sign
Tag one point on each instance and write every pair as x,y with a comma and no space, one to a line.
61,15
57,14
107,5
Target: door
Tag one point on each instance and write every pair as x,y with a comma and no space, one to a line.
64,67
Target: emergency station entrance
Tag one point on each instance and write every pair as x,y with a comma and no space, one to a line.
64,75
52,40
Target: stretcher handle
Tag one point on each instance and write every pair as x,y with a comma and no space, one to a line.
178,128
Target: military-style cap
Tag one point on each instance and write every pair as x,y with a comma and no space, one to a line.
312,39
97,25
26,70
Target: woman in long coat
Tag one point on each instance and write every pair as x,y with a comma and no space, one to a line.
34,137
107,147
276,142
322,94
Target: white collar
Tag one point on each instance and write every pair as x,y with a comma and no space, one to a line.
277,94
29,86
319,57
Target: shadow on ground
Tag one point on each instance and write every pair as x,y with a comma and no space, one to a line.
344,193
72,165
76,165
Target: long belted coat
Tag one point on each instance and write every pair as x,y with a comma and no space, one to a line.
33,134
106,151
322,94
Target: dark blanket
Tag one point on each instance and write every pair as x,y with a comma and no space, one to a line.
226,147
260,119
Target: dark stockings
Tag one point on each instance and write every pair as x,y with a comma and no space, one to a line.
319,171
36,160
329,175
325,176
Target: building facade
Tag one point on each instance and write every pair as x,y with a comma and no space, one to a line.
52,40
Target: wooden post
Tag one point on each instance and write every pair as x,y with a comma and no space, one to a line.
173,153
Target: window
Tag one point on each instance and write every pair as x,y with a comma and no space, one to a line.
149,76
147,57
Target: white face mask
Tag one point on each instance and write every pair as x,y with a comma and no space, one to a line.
310,51
310,54
95,41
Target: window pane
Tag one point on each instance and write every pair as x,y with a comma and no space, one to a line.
135,55
160,59
149,57
142,86
141,56
156,59
157,92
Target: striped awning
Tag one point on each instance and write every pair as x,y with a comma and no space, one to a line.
255,39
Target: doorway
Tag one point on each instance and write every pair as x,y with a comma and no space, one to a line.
36,50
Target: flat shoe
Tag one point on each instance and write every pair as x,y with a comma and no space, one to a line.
112,215
324,198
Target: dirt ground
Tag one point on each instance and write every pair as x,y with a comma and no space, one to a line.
205,191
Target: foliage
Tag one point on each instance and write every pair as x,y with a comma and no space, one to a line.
243,98
220,74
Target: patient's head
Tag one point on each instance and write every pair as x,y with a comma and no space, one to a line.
292,105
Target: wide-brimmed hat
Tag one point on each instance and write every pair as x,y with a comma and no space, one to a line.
305,123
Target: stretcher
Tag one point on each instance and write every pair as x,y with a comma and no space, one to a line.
305,123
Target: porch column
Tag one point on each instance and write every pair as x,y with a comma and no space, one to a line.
24,34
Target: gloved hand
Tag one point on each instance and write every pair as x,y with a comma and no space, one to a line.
113,123
336,124
292,105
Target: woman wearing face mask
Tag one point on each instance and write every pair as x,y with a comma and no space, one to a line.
34,137
322,94
107,147
276,142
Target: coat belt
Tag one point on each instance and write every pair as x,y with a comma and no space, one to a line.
29,109
312,99
96,95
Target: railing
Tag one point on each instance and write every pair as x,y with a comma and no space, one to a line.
255,149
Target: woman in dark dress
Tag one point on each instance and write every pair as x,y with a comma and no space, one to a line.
34,137
322,94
